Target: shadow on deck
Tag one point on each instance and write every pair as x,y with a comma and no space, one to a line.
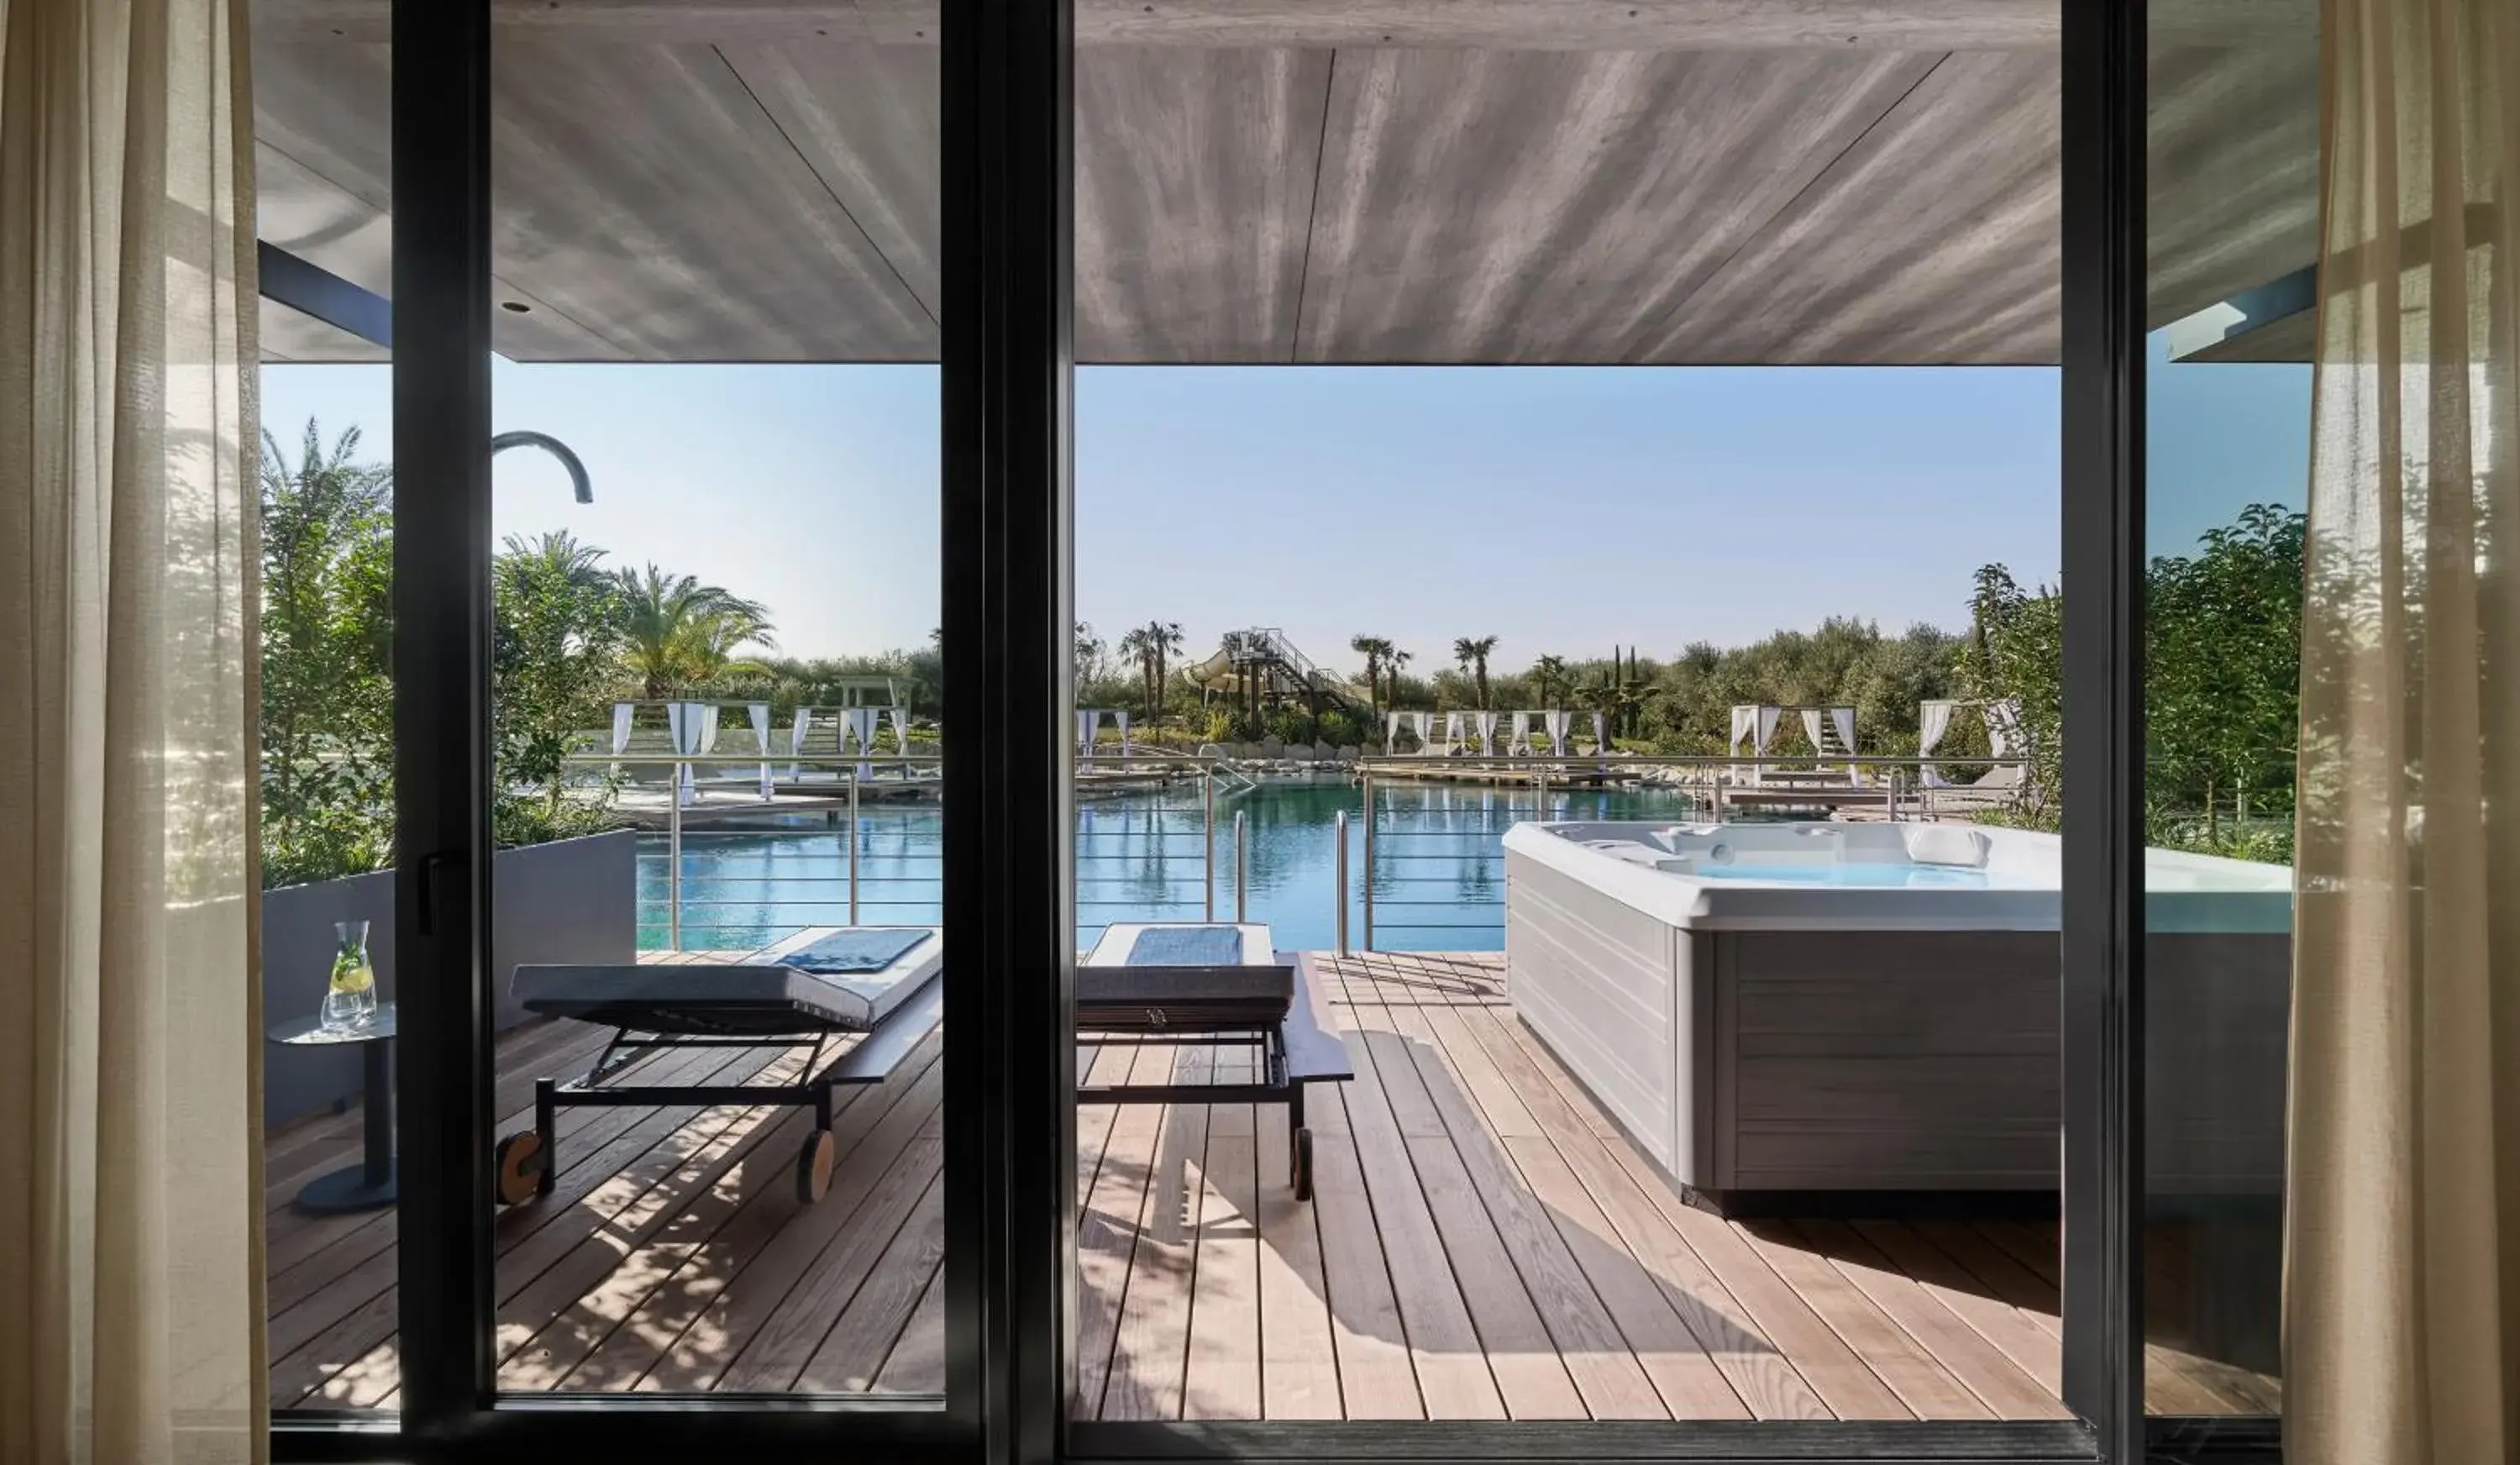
1482,1244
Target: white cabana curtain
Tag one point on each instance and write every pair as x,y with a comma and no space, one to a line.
1452,734
685,726
622,713
1745,728
861,728
1123,719
759,713
1421,723
1769,717
1085,731
1811,718
1518,736
1841,721
1600,738
1391,731
1558,724
797,732
1933,721
2001,718
2402,1277
130,1012
1487,734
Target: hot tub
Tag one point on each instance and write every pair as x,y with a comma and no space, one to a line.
1781,1012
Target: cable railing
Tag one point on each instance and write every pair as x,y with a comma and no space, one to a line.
741,859
738,860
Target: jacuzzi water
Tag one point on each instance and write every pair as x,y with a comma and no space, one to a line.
1858,874
1878,876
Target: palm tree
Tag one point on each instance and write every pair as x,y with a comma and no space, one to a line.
1393,660
1472,653
1619,694
1375,650
1133,648
1550,679
1152,646
681,633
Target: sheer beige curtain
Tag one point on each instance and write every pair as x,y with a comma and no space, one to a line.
2403,1270
130,1285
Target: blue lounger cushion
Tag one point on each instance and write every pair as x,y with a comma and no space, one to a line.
1187,945
756,998
855,952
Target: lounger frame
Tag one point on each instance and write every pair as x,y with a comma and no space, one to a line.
1295,1047
879,1049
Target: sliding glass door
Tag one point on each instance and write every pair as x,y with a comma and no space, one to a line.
777,840
2229,310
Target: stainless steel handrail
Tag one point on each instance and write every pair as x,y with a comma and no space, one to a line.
1338,832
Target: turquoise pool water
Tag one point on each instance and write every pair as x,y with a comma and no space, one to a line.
1853,873
1438,875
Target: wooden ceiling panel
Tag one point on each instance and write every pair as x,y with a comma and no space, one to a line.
1238,202
1932,239
1195,183
866,119
1556,206
1315,25
2231,170
644,190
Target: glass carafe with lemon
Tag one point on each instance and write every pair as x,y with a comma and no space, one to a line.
350,1000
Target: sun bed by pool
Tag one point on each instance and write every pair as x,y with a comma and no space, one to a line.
1217,984
882,983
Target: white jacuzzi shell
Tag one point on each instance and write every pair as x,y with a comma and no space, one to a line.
1780,1036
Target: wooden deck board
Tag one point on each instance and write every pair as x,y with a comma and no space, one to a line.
1482,1242
1223,1377
1299,1376
1150,1345
1114,1215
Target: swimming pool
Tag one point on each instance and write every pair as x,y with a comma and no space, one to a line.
1438,878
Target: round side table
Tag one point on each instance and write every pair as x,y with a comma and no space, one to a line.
369,1184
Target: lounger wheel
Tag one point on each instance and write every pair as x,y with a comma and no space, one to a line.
522,1160
814,1164
1302,1165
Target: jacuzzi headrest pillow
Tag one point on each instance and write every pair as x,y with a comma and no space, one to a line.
1948,844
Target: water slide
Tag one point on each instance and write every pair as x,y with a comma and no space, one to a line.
1282,670
1215,673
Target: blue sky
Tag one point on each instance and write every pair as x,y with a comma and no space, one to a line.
1559,509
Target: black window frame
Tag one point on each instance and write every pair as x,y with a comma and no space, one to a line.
1007,394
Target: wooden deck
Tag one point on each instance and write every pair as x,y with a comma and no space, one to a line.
1483,1245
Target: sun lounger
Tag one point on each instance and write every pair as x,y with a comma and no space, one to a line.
1218,984
884,983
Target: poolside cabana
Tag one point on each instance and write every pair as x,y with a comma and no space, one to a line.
1830,731
2001,717
691,728
859,725
1089,727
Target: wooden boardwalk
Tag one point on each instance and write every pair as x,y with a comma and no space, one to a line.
1482,1246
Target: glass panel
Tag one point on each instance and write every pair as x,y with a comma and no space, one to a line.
2233,208
1558,724
323,137
715,257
